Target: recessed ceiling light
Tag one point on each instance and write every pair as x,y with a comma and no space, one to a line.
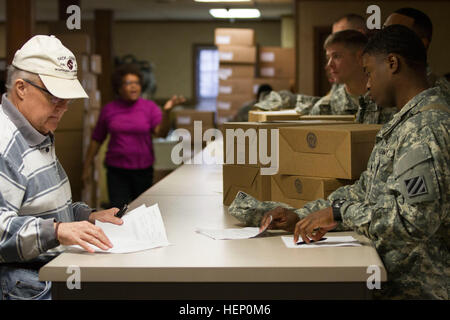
235,13
222,0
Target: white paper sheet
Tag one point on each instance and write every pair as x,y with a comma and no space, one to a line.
344,241
142,229
232,234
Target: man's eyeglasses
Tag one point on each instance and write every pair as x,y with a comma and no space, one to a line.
54,100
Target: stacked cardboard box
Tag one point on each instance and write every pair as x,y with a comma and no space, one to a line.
290,114
276,67
242,169
315,161
75,128
237,62
187,119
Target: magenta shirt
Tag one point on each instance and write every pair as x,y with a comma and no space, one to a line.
130,127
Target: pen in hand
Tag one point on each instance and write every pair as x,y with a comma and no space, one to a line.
121,212
312,241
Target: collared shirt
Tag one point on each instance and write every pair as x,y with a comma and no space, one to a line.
34,190
340,102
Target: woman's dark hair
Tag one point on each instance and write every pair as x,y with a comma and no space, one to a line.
400,40
121,72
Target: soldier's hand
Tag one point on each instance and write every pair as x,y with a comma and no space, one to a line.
315,225
282,218
83,233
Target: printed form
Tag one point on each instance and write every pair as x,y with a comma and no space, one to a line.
142,229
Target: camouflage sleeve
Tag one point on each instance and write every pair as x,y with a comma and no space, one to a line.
322,106
305,103
415,201
354,192
249,210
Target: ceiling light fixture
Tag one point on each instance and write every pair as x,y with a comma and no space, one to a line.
235,13
222,0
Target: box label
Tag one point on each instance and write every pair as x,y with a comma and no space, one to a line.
225,89
184,120
226,56
225,73
223,105
223,39
267,57
267,72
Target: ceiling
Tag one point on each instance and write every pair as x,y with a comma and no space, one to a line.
46,10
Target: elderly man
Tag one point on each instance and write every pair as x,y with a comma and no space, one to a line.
36,209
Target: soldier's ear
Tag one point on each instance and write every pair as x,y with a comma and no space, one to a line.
393,63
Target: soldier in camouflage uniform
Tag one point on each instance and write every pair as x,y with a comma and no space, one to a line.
277,100
421,24
402,201
344,50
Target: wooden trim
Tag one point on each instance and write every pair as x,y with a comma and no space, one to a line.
104,47
318,50
19,25
297,46
195,48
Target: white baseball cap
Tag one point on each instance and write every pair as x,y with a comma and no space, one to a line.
55,64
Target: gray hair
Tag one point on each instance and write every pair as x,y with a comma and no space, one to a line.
14,73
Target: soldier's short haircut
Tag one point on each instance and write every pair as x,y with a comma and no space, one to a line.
422,23
355,21
400,40
349,38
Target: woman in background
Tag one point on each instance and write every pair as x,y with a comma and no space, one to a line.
130,121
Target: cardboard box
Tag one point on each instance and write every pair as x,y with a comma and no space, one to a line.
265,116
191,129
226,114
344,117
234,36
88,81
83,64
242,86
91,117
276,84
246,179
96,63
298,190
239,148
229,71
237,54
336,151
73,118
78,43
233,102
94,99
276,62
186,117
291,114
221,120
68,146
